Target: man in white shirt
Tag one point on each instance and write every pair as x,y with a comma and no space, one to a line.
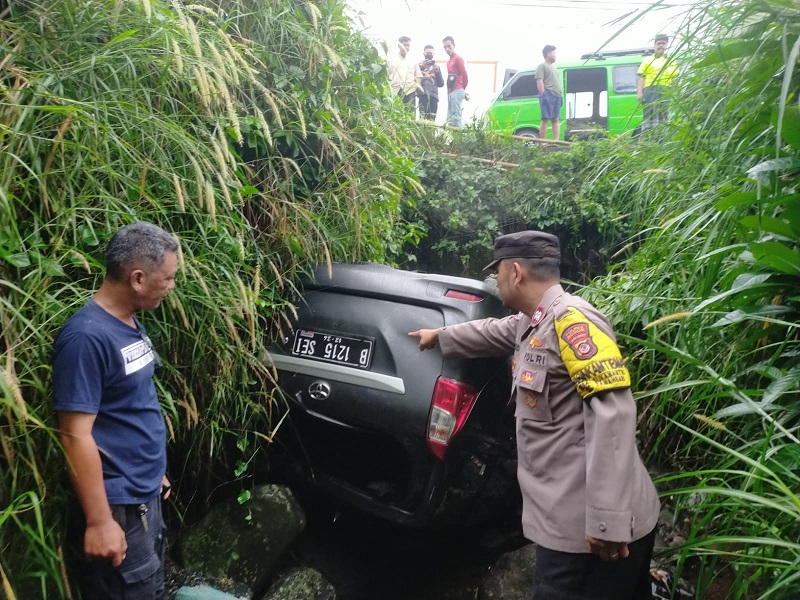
404,73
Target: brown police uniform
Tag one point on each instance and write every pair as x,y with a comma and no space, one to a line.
578,467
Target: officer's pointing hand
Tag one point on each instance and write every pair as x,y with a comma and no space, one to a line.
428,338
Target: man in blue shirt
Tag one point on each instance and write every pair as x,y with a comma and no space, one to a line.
110,421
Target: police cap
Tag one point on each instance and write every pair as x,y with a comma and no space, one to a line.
525,244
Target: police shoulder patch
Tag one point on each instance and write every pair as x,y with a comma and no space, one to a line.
592,358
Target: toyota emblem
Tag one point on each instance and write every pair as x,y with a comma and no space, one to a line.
319,390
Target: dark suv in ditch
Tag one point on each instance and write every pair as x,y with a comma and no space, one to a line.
409,436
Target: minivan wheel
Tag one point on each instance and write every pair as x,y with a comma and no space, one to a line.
527,132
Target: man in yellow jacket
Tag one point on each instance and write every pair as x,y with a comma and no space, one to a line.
656,75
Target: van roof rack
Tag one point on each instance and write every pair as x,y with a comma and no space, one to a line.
611,53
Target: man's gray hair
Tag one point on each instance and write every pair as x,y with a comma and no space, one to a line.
542,269
138,245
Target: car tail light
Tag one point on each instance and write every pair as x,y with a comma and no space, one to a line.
463,296
451,404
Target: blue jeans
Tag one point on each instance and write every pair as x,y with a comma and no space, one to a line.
454,100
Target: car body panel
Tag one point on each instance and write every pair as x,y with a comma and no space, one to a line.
361,433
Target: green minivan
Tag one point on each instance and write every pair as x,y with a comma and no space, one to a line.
599,94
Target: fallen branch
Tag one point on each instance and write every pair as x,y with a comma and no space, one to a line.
505,165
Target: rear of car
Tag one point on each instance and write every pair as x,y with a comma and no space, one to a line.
406,435
599,95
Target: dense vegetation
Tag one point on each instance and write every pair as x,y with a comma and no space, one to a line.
702,221
254,131
262,134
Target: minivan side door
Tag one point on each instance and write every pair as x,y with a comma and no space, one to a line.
585,100
624,110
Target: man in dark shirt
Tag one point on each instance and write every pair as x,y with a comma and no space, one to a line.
432,80
457,81
110,421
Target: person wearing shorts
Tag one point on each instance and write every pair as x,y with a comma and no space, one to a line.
551,93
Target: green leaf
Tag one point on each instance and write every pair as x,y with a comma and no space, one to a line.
122,36
737,199
88,235
249,190
743,282
787,383
18,260
729,50
53,269
739,315
790,129
778,256
243,496
769,225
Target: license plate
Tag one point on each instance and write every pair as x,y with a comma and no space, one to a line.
328,347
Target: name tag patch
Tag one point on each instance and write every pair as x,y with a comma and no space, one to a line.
537,358
136,356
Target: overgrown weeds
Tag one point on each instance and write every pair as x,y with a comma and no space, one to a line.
254,132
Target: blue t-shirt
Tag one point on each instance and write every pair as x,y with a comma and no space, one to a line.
104,367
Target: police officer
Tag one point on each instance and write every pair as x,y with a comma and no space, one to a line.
588,502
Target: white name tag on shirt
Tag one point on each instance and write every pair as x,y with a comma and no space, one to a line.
136,356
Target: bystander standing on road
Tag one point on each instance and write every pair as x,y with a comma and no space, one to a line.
656,74
110,422
457,81
588,502
432,80
551,93
404,73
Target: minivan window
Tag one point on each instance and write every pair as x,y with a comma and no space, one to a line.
624,79
523,86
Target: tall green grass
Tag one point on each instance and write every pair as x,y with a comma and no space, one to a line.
708,297
698,223
251,130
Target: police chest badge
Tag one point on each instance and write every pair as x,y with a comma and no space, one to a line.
531,399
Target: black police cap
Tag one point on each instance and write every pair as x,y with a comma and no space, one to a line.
525,244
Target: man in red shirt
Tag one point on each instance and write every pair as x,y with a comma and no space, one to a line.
456,83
